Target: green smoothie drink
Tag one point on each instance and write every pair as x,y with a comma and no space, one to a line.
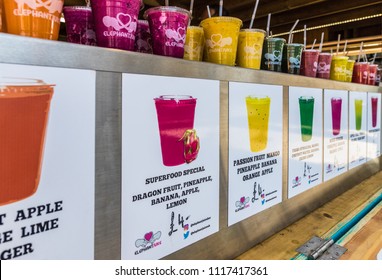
306,104
358,113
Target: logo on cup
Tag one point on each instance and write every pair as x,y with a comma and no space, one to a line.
51,5
192,49
323,67
294,62
274,58
254,50
120,22
144,44
340,69
219,41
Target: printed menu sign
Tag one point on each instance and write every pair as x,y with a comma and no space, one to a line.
357,128
305,139
335,133
373,125
255,149
47,143
170,164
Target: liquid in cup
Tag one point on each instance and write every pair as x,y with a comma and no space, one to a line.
34,18
373,68
323,67
309,63
358,113
258,118
221,39
292,58
168,27
24,112
374,111
194,46
306,104
336,104
349,70
116,23
143,41
79,25
272,54
176,115
250,47
338,68
360,72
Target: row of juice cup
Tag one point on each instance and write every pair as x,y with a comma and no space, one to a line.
115,24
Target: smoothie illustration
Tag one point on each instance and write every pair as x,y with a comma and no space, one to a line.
24,112
374,110
358,113
178,138
258,118
306,104
336,103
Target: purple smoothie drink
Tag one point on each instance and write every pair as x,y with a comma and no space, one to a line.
116,23
143,37
323,67
374,109
79,25
360,72
168,26
336,103
373,68
309,63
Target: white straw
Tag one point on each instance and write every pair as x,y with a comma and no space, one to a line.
338,43
304,36
253,14
360,51
167,3
268,24
346,43
208,11
322,40
191,6
314,42
290,32
87,3
220,8
375,55
291,38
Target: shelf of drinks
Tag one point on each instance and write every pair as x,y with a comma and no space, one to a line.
32,51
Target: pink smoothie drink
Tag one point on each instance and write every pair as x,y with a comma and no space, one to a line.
360,72
79,25
373,68
309,63
323,67
143,37
336,103
175,119
374,110
168,26
116,23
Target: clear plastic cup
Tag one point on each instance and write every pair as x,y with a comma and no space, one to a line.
250,47
292,58
349,70
338,68
309,63
143,42
323,67
194,46
272,54
360,72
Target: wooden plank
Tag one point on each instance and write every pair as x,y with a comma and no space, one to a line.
283,245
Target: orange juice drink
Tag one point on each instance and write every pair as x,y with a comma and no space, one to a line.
34,18
250,47
258,119
221,36
193,48
24,110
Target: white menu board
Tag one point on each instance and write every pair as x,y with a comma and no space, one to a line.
357,128
170,163
47,159
373,125
335,133
255,149
305,139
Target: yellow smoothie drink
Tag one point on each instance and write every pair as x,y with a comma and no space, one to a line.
221,36
250,47
193,48
338,68
349,70
258,119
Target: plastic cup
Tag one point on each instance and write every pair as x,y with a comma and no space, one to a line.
336,103
338,68
194,46
116,23
79,25
371,77
40,19
358,113
272,54
258,119
292,58
221,39
2,17
374,110
309,63
378,77
349,70
250,47
24,112
168,27
323,67
143,42
360,72
176,115
306,104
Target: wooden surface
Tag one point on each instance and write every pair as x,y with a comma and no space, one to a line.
324,221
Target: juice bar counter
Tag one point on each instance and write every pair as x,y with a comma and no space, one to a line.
109,154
